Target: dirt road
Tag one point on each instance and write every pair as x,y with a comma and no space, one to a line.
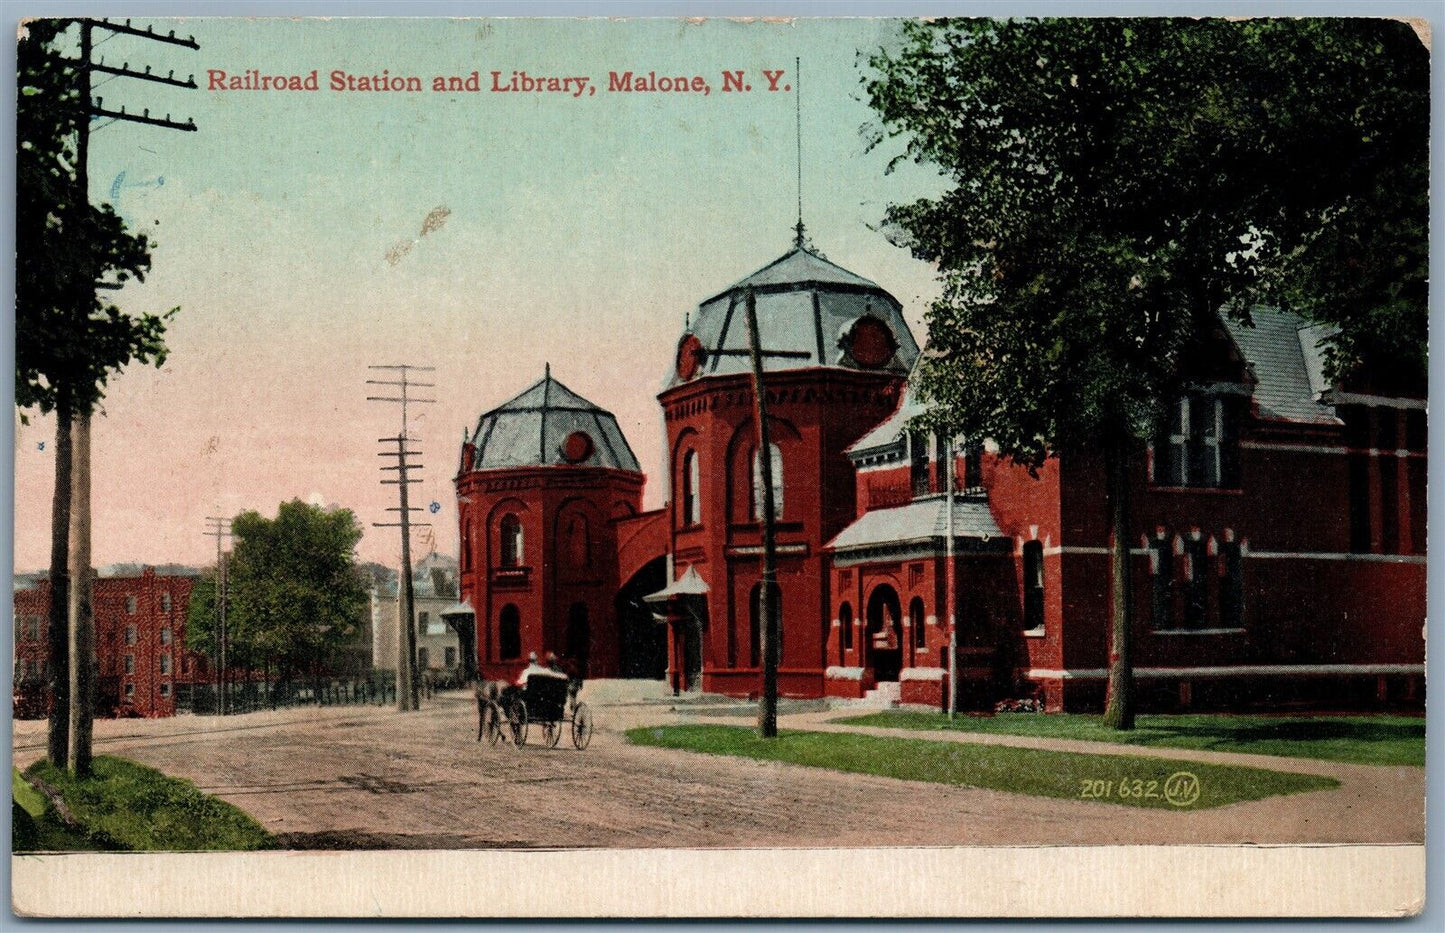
369,777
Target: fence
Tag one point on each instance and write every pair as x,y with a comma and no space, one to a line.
377,689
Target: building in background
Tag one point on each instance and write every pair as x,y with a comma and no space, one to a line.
140,628
439,644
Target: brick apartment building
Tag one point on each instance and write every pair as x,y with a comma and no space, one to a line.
140,625
1278,540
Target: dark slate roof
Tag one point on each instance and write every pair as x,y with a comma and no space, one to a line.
1284,354
920,521
805,306
529,431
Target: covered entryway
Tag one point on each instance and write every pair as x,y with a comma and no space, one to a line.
642,640
884,633
682,605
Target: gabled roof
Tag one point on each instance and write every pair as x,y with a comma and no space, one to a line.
531,429
920,521
1285,355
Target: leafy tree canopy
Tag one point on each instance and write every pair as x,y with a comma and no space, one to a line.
1116,183
68,338
295,592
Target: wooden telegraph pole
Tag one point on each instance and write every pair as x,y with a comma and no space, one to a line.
767,600
408,686
220,530
81,616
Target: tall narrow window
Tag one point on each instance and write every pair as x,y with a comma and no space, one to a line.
165,602
130,664
1161,562
1231,586
466,542
130,605
511,541
579,543
165,635
509,633
130,634
691,513
1196,590
845,626
165,664
1034,586
973,466
918,464
915,620
777,477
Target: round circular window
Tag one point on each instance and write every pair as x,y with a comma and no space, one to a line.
690,356
870,342
577,447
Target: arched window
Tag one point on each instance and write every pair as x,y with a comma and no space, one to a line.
511,541
915,619
509,633
691,511
579,543
1033,586
845,625
755,616
757,483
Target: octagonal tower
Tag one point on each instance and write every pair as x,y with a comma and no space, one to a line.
836,352
541,481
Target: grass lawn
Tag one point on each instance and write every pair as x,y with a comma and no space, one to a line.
1119,779
129,807
1366,740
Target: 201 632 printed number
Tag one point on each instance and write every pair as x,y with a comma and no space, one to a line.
1091,788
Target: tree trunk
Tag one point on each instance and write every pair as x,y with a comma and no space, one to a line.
81,617
1119,707
58,624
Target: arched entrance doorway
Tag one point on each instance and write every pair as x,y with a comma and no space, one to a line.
884,637
579,637
642,640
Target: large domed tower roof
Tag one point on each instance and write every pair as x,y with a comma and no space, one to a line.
811,313
550,425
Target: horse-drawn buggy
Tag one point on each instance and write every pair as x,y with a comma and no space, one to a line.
550,702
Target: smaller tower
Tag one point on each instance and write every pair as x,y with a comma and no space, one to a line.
541,482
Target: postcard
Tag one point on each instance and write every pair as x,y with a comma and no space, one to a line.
671,468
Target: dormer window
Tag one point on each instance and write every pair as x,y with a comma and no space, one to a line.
1197,444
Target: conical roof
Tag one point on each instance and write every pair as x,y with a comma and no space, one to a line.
550,425
811,313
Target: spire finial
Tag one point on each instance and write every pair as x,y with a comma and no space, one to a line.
547,370
800,239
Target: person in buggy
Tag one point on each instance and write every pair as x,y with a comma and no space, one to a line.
567,668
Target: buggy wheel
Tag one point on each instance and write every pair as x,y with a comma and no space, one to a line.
551,732
491,726
581,726
518,722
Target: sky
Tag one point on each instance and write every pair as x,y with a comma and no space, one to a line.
575,231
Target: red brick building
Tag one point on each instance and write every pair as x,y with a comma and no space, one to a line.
1278,540
140,625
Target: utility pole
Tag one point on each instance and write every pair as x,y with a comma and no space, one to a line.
767,600
81,616
950,585
407,676
220,529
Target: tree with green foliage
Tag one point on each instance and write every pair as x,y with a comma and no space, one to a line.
1116,185
68,340
294,592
